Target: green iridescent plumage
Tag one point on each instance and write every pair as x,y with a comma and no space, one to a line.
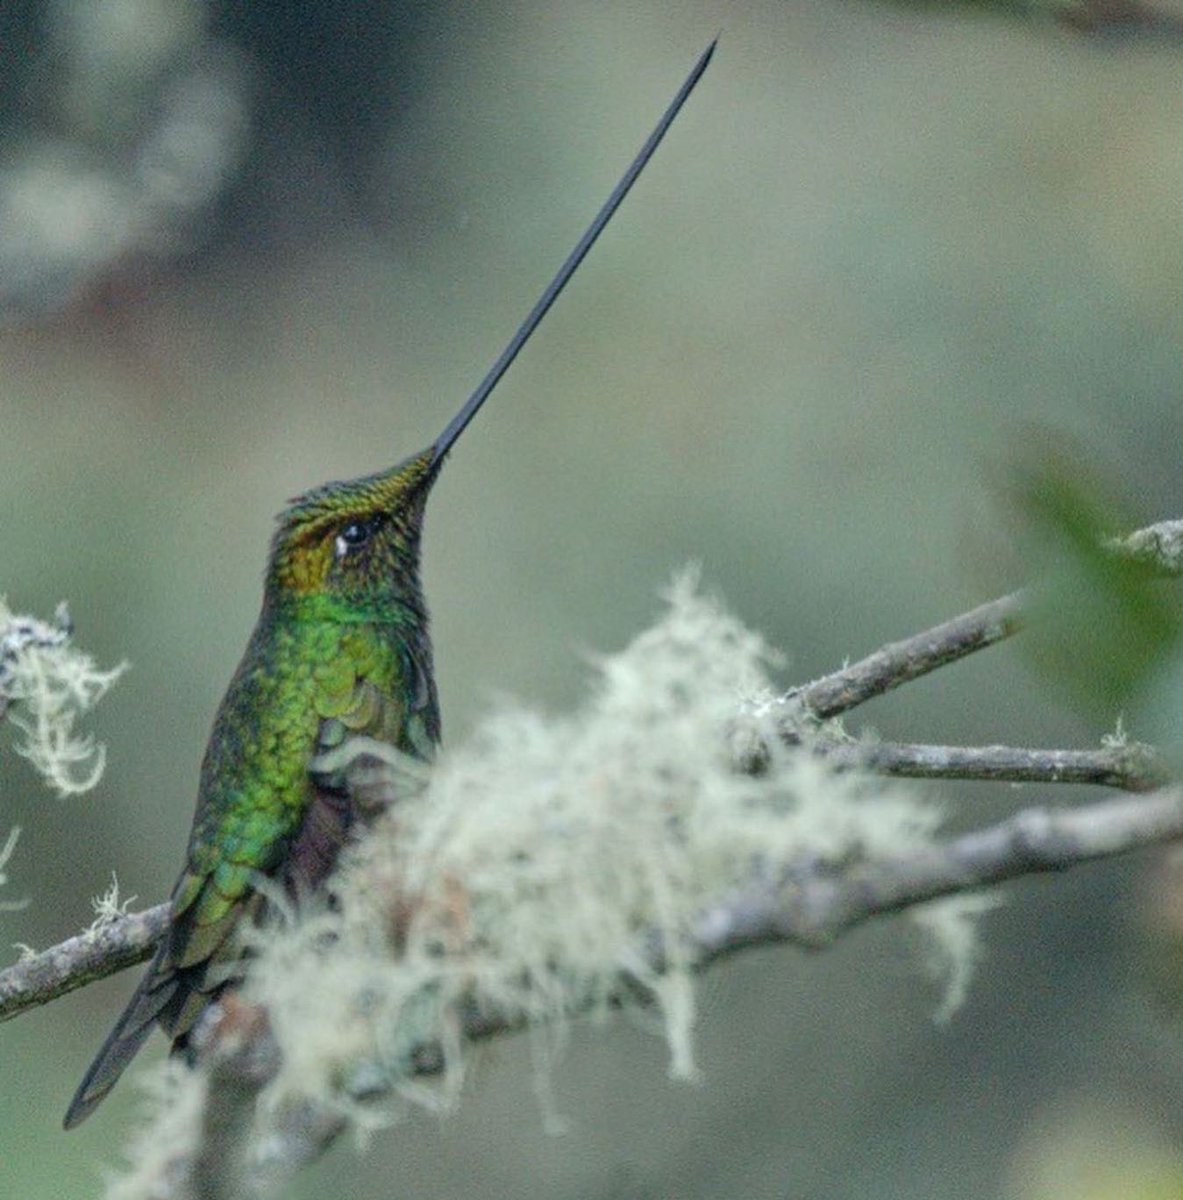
341,646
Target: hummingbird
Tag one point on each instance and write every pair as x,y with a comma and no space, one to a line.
341,648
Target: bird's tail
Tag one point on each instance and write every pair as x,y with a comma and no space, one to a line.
124,1041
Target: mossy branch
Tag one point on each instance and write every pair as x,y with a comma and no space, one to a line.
805,896
806,906
129,939
118,943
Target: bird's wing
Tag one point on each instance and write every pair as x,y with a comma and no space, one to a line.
237,839
397,709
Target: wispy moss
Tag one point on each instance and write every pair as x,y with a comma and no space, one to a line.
5,854
527,878
46,683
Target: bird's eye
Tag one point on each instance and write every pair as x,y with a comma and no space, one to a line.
355,534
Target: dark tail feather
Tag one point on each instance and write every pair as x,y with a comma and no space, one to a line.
123,1043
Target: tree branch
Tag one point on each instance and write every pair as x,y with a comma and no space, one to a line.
130,939
1031,842
1132,768
1159,546
810,905
120,942
240,1058
900,662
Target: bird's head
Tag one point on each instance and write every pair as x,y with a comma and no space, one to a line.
353,547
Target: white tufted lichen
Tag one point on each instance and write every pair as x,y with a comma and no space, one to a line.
5,854
46,683
528,876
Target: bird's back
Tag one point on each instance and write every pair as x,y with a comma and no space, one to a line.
301,684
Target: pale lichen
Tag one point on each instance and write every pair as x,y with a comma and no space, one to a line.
109,907
5,854
530,875
158,1154
954,947
46,683
527,876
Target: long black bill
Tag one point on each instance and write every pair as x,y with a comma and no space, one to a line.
458,423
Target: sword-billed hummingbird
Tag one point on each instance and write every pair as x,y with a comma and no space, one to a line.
341,647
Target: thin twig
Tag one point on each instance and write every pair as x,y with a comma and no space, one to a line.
901,662
1159,545
1132,768
121,942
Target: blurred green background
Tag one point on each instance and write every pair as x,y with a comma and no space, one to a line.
245,249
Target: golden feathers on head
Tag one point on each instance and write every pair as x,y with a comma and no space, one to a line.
307,550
